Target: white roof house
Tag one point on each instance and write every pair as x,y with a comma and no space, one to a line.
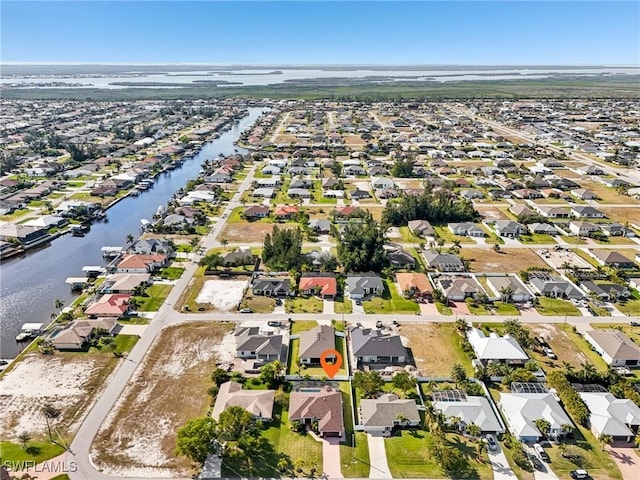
494,347
521,410
257,402
476,410
610,415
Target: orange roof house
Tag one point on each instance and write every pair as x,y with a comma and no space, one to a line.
285,211
415,284
110,305
323,284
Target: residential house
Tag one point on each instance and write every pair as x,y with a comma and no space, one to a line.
373,346
252,343
264,192
258,403
353,170
584,194
616,229
285,212
611,259
125,282
361,285
444,262
80,332
509,228
22,233
242,256
152,246
543,228
527,193
140,263
470,410
382,415
318,283
421,228
606,291
320,225
617,417
521,410
400,258
551,285
109,305
256,211
272,286
471,194
615,348
494,348
510,286
457,287
468,229
323,406
586,211
314,342
414,285
382,183
583,228
299,193
549,211
358,194
521,210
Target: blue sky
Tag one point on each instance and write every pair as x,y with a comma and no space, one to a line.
304,32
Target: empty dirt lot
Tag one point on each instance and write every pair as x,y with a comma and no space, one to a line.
138,437
505,261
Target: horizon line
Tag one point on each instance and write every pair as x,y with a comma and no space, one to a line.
145,64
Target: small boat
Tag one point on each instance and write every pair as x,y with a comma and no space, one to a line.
79,230
23,336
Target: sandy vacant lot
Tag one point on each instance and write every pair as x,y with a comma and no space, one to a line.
68,381
560,343
138,438
222,294
249,232
435,348
507,260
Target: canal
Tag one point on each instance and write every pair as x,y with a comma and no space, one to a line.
29,285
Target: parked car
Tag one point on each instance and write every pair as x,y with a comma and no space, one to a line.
358,301
246,310
379,324
395,323
537,464
491,442
278,302
549,353
579,474
540,451
633,323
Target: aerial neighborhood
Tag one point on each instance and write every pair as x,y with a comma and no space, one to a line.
469,270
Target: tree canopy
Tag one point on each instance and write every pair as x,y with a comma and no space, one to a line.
197,438
361,248
369,382
403,168
282,249
435,206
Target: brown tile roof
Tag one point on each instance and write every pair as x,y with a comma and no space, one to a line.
324,406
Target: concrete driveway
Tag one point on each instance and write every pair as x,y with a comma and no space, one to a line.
500,465
460,308
428,309
378,457
331,458
627,460
327,306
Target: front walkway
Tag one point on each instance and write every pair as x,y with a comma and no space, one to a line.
378,457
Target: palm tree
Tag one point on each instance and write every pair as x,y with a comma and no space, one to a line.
567,428
401,419
568,367
58,304
543,425
588,372
605,439
506,293
461,325
224,242
455,422
129,238
458,374
473,430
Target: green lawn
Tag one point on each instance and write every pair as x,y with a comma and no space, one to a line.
13,452
154,297
258,303
477,309
408,455
124,343
445,234
236,215
390,302
573,240
589,457
12,216
630,307
355,461
505,308
133,321
586,349
409,237
556,306
302,326
172,273
443,309
303,305
343,305
537,238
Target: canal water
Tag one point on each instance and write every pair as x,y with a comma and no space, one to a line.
29,285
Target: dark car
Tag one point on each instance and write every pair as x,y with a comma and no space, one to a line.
278,302
537,464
